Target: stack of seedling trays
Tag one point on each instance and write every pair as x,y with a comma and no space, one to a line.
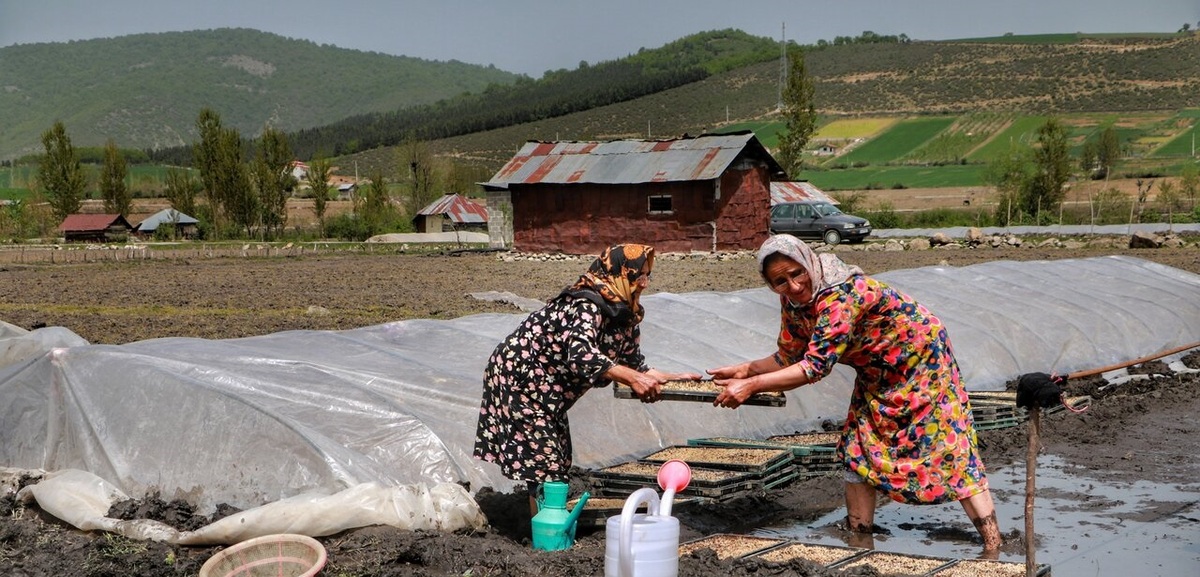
995,409
717,472
811,454
700,392
816,452
597,510
998,409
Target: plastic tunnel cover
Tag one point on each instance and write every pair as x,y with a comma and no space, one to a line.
253,420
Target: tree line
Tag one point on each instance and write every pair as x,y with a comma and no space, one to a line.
237,187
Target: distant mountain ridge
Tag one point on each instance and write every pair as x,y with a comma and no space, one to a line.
251,78
146,90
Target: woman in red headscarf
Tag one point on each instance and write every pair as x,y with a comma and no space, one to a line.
909,433
585,337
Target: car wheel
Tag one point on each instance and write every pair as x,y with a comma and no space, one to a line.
832,237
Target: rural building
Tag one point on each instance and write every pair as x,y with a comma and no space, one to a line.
449,213
185,226
826,150
298,170
793,191
703,193
94,228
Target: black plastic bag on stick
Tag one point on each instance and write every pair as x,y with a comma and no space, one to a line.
1039,390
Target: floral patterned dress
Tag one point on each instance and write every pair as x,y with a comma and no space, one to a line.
535,375
909,430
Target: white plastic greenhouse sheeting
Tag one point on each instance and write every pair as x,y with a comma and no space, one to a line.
254,420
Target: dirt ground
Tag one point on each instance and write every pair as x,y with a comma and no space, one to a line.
118,302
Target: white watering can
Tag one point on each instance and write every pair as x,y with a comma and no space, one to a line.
647,545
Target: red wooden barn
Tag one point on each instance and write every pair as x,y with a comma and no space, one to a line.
94,228
704,193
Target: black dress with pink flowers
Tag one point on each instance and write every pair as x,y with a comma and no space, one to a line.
536,374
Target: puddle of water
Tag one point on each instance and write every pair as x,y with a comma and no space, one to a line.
1085,526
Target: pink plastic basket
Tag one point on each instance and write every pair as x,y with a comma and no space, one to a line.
284,555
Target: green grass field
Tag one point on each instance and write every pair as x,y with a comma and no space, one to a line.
880,177
897,141
1182,145
1022,130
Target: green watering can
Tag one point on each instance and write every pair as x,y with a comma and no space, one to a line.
554,526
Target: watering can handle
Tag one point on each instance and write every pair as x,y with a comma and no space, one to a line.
625,555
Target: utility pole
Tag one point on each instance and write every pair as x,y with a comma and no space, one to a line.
783,65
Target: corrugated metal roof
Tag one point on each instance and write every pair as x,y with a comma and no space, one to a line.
792,191
90,222
164,216
458,208
627,161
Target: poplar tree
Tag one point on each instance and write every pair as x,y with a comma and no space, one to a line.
1052,169
272,179
799,113
227,188
181,190
60,173
318,180
116,194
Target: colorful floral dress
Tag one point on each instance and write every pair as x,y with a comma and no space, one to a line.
909,430
537,373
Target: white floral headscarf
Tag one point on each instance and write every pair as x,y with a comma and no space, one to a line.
825,269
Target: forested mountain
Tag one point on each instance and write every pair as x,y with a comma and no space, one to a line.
146,90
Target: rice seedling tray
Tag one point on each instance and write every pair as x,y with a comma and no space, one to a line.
814,442
750,459
819,554
730,546
701,392
988,568
597,510
628,477
890,564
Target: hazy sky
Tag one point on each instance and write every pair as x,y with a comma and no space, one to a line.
532,36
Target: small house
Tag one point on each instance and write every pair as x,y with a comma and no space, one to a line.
94,228
826,150
183,226
703,193
451,212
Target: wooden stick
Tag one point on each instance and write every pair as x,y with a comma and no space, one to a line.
1138,361
1035,417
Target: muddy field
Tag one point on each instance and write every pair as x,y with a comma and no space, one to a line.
1145,431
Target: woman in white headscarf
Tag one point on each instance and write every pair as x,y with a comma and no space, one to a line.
909,431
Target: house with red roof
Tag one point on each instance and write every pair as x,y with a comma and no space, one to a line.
94,228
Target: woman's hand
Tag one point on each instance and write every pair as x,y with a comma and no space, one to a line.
735,391
646,386
738,371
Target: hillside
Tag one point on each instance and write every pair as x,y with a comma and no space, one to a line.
145,90
1091,75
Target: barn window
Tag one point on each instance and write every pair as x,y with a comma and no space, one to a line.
661,204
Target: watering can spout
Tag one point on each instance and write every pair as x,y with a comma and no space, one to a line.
573,516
